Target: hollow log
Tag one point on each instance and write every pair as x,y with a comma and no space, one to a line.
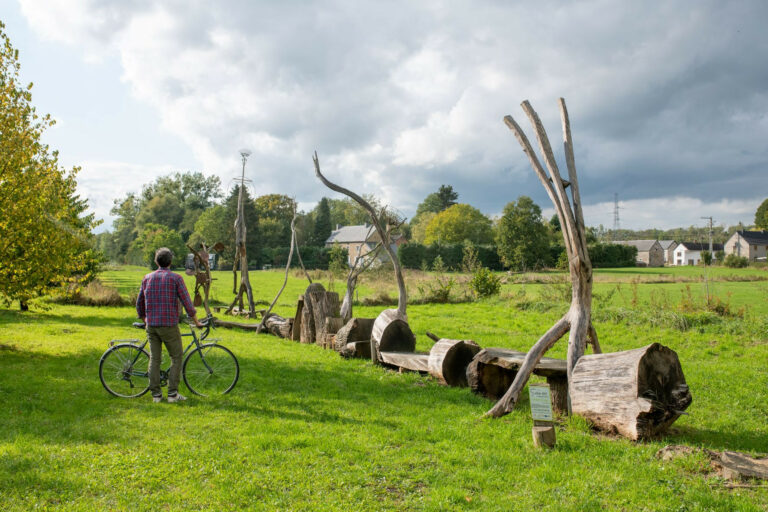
357,349
357,329
323,304
296,329
278,325
391,332
448,361
636,393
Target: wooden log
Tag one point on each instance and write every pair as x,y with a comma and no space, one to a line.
278,325
235,325
412,361
357,349
296,329
544,436
323,304
493,370
308,329
636,393
391,332
558,388
357,329
448,361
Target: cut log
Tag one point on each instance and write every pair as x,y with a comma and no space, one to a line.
296,329
636,393
357,329
391,332
357,349
235,325
278,325
415,362
448,361
323,304
544,436
308,329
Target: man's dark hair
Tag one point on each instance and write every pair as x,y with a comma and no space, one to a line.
163,257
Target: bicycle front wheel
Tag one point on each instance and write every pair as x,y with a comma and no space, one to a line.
123,370
210,369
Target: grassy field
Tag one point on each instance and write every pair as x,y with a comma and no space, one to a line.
306,430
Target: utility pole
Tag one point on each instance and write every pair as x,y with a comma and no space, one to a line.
615,215
711,232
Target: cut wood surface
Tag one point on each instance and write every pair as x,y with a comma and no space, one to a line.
307,316
278,325
448,360
356,329
391,332
296,329
636,393
413,361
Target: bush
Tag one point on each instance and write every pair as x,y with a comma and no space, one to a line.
485,283
733,261
612,255
313,257
95,294
419,256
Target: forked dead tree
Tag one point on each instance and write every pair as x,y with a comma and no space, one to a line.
287,269
391,330
578,318
360,265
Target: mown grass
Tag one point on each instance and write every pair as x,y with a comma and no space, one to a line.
306,430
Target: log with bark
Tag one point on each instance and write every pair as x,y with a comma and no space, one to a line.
296,328
493,370
307,315
410,361
357,349
323,305
448,361
636,393
356,329
277,325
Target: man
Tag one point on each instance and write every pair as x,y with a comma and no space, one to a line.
157,307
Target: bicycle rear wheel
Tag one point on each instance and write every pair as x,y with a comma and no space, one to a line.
210,369
123,370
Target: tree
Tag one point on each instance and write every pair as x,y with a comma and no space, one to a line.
164,209
322,228
214,225
275,214
458,223
45,234
761,215
194,190
521,236
125,210
419,226
447,197
154,236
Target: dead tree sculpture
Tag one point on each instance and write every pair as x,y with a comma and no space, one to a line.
578,318
202,273
361,263
390,330
240,256
287,269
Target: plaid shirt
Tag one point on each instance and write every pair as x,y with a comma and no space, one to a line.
157,298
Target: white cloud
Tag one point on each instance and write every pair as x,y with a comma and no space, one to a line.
400,97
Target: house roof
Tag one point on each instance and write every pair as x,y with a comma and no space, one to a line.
642,245
696,246
352,234
665,244
754,237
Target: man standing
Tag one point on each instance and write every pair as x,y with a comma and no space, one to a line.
157,307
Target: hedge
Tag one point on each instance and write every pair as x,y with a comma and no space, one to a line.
415,255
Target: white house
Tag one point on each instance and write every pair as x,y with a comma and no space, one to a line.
689,253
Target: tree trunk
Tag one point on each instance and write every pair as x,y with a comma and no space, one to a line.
391,333
296,329
23,306
324,305
308,327
278,325
358,349
356,329
636,393
448,361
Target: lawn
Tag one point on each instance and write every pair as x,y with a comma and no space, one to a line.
307,430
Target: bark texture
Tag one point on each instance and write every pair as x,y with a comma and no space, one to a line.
448,361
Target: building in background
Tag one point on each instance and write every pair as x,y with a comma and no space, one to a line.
752,245
689,253
668,246
360,240
649,252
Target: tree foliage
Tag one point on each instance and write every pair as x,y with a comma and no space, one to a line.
45,237
154,236
522,238
458,223
761,215
322,227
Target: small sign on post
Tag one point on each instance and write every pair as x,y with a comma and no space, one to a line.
541,411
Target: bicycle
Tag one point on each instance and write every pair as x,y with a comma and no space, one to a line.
208,368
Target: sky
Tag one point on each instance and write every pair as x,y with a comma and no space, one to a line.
667,100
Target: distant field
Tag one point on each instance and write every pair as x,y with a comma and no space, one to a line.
306,430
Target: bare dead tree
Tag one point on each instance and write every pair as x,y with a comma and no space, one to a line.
360,265
376,220
287,269
578,318
295,242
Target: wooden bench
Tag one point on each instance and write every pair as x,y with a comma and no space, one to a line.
492,371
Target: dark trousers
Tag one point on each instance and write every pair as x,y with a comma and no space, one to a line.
171,337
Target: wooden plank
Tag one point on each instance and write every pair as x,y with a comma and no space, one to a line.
512,360
406,360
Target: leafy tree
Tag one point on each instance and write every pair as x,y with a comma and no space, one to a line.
322,228
706,257
761,215
275,214
522,237
154,236
419,226
45,234
124,226
165,209
438,201
458,223
214,225
194,190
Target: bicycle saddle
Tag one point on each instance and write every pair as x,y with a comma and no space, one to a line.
139,325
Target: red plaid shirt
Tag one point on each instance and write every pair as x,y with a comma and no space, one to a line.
157,298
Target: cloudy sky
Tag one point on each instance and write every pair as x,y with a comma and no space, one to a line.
667,100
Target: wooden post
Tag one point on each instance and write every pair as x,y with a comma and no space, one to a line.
541,411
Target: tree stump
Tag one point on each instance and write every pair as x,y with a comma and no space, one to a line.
357,349
448,361
296,329
357,329
391,332
636,393
308,329
323,305
544,436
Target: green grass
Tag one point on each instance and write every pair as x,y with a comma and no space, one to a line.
307,430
